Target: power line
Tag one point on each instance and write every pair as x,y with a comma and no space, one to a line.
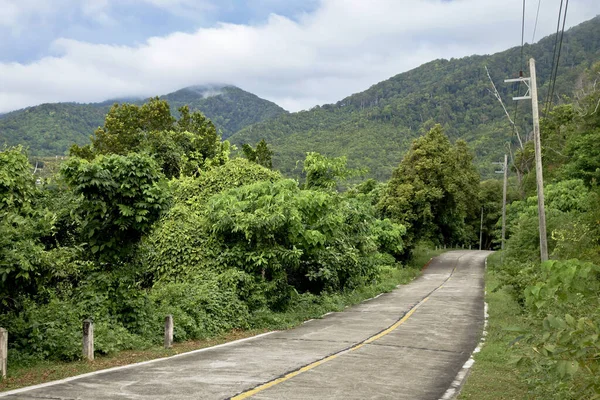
554,55
516,113
558,57
537,14
522,39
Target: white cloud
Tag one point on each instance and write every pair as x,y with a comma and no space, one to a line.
343,47
16,14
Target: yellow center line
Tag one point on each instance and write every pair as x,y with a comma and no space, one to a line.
260,388
315,364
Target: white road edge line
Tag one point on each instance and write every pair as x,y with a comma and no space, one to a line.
103,371
454,388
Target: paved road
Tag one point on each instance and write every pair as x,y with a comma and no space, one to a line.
407,344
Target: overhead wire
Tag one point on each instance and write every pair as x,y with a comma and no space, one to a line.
522,39
537,14
518,85
558,57
546,102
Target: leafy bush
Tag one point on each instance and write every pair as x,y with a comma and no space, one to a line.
22,223
235,173
201,308
567,206
122,198
53,330
178,247
566,299
311,240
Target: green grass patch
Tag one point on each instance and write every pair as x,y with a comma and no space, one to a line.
494,374
304,307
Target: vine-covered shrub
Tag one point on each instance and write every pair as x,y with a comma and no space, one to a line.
307,239
283,237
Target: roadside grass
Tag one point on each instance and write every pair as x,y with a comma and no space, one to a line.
303,308
494,374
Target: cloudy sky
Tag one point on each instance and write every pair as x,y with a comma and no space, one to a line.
297,53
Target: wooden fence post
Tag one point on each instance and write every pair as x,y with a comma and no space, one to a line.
88,339
168,331
3,352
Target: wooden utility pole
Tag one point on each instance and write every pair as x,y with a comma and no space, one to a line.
532,94
538,162
504,200
481,230
505,172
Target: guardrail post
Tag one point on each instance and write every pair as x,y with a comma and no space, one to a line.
88,339
168,331
3,352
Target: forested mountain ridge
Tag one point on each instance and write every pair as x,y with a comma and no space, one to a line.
228,107
50,129
374,128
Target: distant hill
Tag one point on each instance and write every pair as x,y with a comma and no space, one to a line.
228,107
50,129
375,127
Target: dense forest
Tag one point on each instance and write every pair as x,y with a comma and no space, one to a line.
50,129
376,127
228,107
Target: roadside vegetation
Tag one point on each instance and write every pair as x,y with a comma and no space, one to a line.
38,371
154,217
544,335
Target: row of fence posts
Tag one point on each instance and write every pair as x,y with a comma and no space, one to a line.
88,342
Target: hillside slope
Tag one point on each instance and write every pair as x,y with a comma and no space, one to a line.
50,129
228,107
374,128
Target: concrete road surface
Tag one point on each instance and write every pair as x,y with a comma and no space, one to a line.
407,344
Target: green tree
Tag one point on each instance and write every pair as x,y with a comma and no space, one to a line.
325,173
122,197
22,224
249,152
431,189
262,155
181,146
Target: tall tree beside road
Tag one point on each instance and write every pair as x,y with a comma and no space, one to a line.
432,190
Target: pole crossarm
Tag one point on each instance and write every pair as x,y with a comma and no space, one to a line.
503,167
527,82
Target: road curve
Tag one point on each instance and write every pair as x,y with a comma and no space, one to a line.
407,344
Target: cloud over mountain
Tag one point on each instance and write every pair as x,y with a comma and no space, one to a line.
310,57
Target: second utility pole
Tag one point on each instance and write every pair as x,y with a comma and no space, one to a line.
538,162
505,170
532,85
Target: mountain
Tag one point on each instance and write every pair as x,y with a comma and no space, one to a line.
228,107
374,128
50,129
